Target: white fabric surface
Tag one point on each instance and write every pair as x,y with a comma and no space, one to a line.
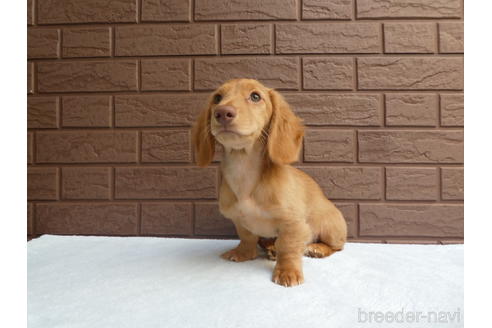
76,281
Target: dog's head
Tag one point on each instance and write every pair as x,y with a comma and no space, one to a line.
242,112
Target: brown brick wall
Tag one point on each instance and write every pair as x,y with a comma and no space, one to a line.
114,87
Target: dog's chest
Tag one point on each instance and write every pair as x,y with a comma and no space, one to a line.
242,174
253,217
252,214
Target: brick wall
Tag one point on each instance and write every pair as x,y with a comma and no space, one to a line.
114,87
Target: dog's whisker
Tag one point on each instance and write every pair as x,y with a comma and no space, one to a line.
264,135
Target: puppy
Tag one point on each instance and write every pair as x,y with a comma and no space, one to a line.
260,192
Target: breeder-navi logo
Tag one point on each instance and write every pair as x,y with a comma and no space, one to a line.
409,316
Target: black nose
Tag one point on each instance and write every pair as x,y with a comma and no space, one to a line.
224,114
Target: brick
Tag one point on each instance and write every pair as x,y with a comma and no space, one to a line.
30,221
327,38
166,146
367,240
333,73
167,219
412,242
42,112
411,109
169,39
245,10
165,10
87,219
348,182
158,110
349,212
410,146
411,220
329,146
30,78
42,43
30,9
408,9
166,74
327,9
452,241
451,37
452,183
42,183
85,183
86,111
274,72
411,183
452,110
111,119
86,147
246,39
165,183
29,147
86,42
209,221
87,76
398,73
340,109
86,11
409,37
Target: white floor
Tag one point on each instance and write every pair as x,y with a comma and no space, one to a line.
156,282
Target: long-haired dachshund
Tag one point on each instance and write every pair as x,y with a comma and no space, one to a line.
260,192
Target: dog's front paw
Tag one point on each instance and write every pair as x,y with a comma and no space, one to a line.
239,255
287,277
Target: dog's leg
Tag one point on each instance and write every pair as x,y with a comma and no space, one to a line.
319,250
246,250
290,245
268,245
333,232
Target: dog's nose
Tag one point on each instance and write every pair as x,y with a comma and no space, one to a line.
224,114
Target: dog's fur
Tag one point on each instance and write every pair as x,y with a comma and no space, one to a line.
260,192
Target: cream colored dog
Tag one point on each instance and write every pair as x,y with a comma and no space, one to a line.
260,192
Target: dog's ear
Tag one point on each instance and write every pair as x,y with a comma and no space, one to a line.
202,138
285,133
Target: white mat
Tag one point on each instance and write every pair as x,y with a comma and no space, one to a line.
156,282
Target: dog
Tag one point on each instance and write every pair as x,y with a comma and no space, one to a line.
260,192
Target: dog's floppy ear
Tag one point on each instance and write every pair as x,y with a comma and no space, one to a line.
286,131
203,140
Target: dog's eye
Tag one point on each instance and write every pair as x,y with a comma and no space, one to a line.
255,97
217,99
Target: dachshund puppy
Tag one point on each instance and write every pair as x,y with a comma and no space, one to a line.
260,192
